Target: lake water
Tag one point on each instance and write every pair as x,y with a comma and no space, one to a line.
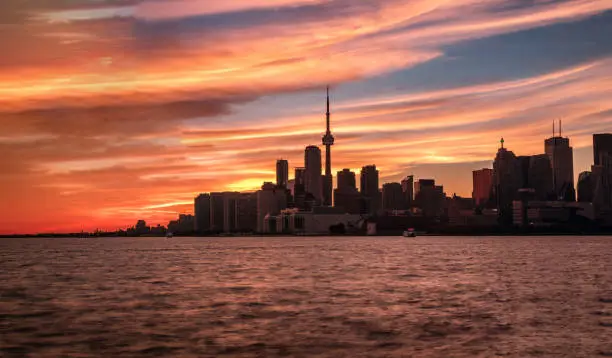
303,297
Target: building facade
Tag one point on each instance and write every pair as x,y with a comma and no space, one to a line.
392,197
482,180
370,190
312,173
561,156
282,173
201,209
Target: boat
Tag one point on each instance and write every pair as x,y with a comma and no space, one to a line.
169,235
409,233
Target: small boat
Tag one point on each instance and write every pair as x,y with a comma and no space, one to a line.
169,235
409,233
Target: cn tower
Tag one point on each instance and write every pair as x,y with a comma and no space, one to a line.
328,141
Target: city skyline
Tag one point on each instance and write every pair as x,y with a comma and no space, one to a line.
141,114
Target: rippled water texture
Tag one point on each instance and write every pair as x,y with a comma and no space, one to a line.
326,297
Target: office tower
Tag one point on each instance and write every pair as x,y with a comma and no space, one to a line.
507,180
217,212
481,186
282,173
246,212
312,172
392,197
270,201
230,200
328,141
202,213
586,187
540,176
408,190
561,157
429,197
299,188
370,191
346,195
602,144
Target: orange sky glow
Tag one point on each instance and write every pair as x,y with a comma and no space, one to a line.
117,110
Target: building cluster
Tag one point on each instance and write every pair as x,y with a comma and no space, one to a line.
539,190
535,190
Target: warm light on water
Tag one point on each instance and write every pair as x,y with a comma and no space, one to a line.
327,297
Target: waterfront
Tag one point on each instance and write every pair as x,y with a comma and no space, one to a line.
310,296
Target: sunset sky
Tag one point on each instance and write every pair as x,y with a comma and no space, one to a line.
116,110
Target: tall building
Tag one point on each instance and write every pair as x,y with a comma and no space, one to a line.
223,211
408,190
586,187
230,219
429,197
346,195
392,197
270,201
312,172
507,180
602,144
246,212
217,212
370,191
282,173
540,176
202,213
328,141
561,156
299,188
481,185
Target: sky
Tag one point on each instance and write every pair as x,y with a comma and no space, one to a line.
117,110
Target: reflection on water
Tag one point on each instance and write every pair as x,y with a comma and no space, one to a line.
327,297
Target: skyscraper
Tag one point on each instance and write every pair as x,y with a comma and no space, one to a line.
481,185
346,195
328,141
408,190
270,201
282,173
540,176
392,196
507,180
586,187
429,197
561,157
602,144
369,189
312,172
202,213
299,188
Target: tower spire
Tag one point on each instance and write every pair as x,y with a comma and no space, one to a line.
327,112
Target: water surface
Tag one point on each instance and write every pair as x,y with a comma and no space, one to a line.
325,297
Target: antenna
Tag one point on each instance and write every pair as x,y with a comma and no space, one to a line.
560,131
553,128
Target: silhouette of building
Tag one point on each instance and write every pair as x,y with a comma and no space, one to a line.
507,180
270,201
602,144
202,213
230,221
217,212
370,191
540,176
346,195
282,173
184,225
561,156
392,197
246,212
481,188
429,197
408,190
328,141
312,173
299,188
586,187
